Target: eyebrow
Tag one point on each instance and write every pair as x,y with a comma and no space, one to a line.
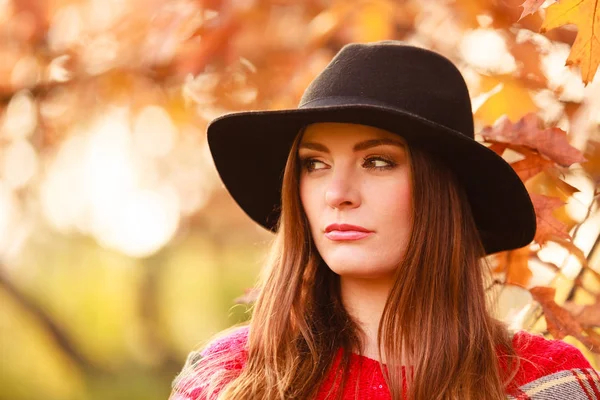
367,144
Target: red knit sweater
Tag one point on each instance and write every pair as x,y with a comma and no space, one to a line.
543,357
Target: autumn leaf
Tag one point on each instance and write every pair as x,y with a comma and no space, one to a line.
547,225
531,165
529,7
551,142
527,55
514,264
512,100
587,315
559,321
498,148
592,167
549,183
585,52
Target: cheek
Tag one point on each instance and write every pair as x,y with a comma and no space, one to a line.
394,201
394,222
307,198
303,195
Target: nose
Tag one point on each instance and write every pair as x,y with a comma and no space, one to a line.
342,190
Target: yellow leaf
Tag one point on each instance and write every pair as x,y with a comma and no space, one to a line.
586,15
513,100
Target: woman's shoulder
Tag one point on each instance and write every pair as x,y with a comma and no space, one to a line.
550,355
226,351
230,340
549,367
228,346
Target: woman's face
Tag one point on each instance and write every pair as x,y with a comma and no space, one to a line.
357,175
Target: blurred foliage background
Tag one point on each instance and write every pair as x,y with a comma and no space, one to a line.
120,251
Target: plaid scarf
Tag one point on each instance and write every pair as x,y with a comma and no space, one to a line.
571,384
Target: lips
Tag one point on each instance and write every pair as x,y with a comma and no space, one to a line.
343,236
345,227
346,232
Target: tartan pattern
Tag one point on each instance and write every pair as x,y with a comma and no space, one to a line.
571,384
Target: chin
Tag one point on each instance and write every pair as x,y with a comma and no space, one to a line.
364,274
352,268
348,260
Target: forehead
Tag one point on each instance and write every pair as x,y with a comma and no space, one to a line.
345,131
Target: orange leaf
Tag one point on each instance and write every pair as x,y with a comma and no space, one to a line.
586,15
547,225
530,6
551,142
527,55
587,315
592,167
498,148
549,183
531,165
515,264
559,321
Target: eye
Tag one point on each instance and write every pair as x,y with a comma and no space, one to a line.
387,163
308,164
379,163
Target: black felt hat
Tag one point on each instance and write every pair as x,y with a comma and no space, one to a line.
415,93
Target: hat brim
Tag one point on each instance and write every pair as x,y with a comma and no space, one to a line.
250,150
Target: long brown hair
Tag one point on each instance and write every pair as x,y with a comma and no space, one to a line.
436,314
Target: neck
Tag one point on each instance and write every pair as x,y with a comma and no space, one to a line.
364,299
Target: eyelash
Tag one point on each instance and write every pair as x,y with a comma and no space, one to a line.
307,161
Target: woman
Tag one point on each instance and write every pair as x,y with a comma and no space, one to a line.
383,206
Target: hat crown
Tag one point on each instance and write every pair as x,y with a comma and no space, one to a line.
396,76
